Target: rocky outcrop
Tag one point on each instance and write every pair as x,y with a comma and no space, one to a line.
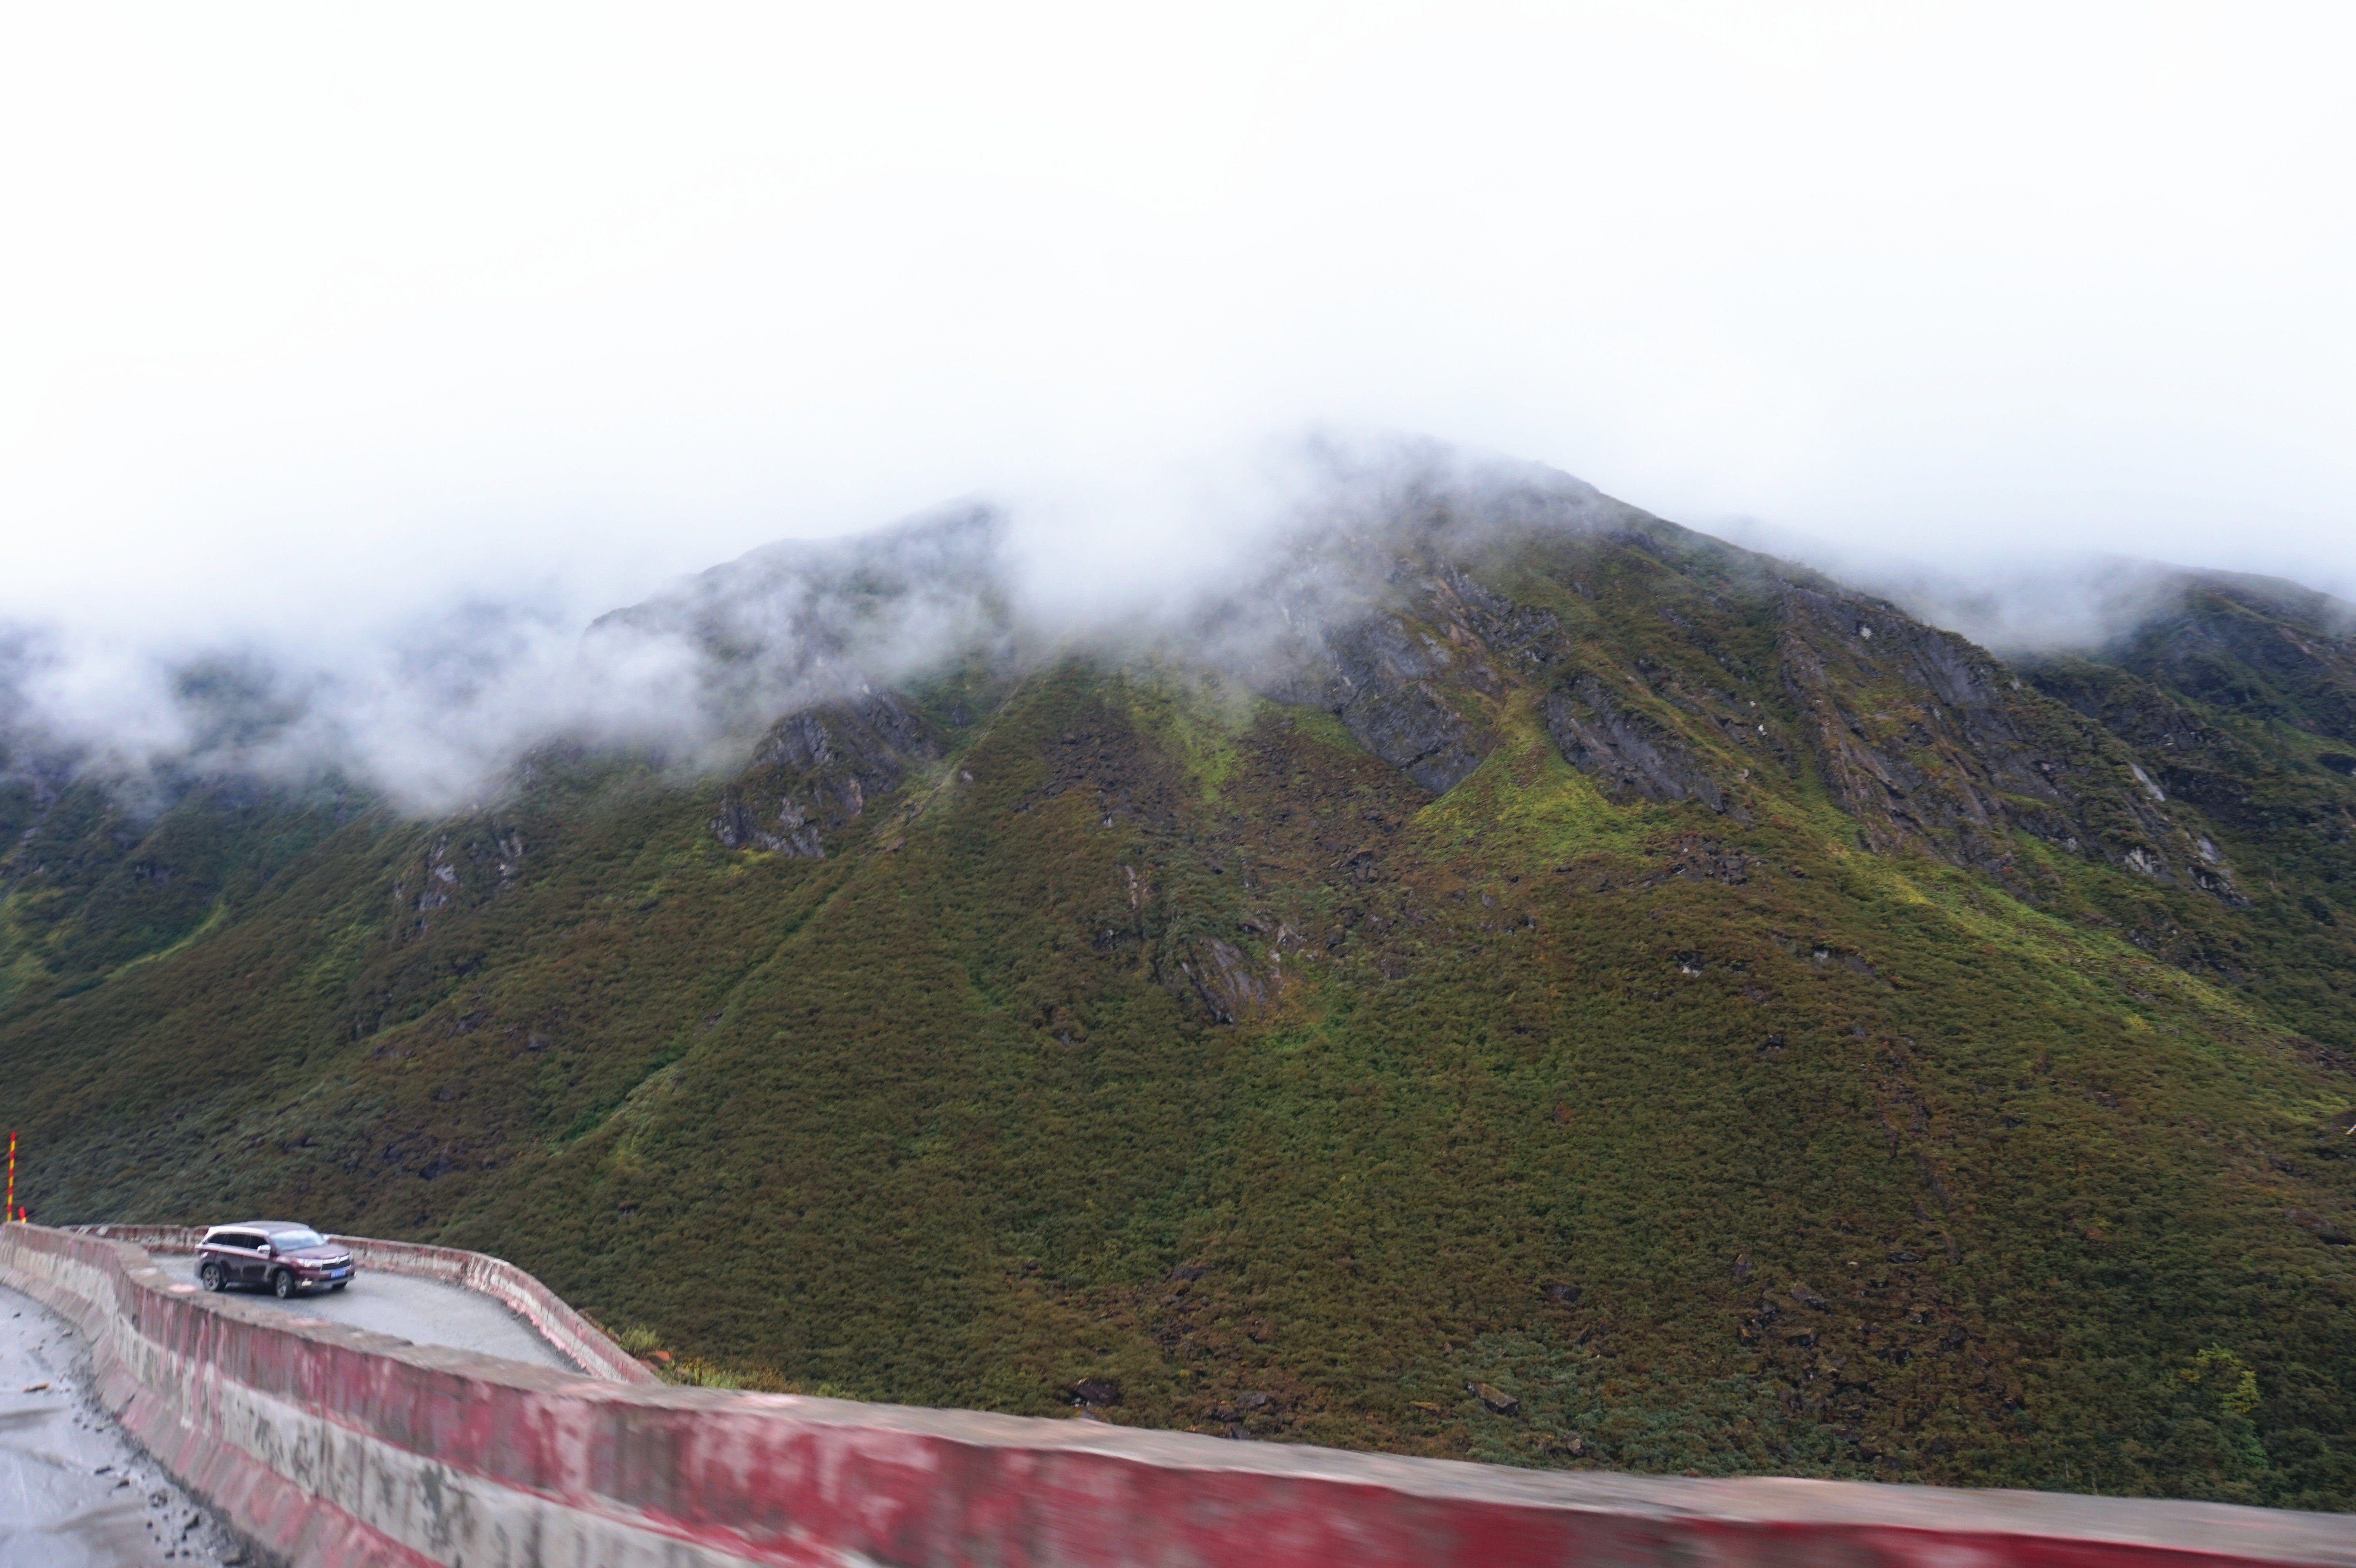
739,824
1926,739
817,770
1228,983
1629,755
1413,729
1456,599
1382,677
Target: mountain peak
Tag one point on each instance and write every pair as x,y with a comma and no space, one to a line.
1474,934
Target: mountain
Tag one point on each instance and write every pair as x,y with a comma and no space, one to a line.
1495,974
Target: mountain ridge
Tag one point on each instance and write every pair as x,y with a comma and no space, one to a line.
1500,940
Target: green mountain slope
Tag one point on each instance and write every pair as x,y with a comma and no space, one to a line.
1560,963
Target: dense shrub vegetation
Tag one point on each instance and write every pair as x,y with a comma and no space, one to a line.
1155,1044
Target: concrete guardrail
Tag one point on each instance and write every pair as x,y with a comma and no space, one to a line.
575,1336
330,1445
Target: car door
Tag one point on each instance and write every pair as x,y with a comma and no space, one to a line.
243,1253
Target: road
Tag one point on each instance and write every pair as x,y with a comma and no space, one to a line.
75,1492
422,1310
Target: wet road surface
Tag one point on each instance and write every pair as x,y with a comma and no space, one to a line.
75,1491
424,1311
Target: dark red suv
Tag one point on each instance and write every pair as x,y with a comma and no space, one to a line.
274,1253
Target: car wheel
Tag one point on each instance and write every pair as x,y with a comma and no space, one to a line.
212,1276
283,1282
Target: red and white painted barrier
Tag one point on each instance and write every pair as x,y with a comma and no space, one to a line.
575,1336
332,1445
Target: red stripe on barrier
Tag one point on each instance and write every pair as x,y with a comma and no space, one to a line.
640,1473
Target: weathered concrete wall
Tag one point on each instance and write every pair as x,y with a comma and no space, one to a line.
331,1446
573,1335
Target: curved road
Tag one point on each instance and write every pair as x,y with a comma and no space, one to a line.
75,1492
422,1310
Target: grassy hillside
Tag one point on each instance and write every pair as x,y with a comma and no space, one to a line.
1614,1001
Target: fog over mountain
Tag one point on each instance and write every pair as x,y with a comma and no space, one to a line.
387,354
431,711
1586,735
2039,601
1239,573
1414,935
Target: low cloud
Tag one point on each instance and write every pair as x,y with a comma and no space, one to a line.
1238,567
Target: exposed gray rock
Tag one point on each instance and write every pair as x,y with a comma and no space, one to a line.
817,770
739,825
1226,981
1495,1398
1927,739
1628,754
1413,729
1502,626
1380,676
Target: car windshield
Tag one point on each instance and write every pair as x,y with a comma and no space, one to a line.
286,1241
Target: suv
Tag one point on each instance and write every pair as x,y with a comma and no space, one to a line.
274,1253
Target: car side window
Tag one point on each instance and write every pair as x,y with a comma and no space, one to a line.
237,1239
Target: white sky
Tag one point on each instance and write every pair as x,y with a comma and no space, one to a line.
312,316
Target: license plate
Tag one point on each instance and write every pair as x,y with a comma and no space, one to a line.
337,1273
